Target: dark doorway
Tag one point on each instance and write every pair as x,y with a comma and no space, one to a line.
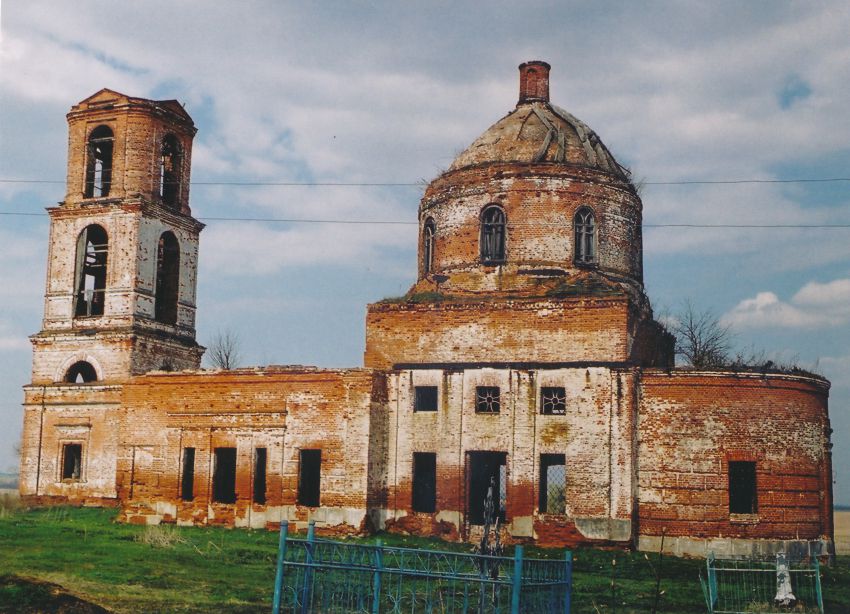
424,482
484,468
187,481
224,475
260,457
309,477
72,461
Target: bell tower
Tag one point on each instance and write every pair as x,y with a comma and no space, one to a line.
122,260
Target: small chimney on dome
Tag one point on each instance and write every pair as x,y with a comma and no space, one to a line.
533,81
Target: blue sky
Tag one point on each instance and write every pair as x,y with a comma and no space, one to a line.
389,92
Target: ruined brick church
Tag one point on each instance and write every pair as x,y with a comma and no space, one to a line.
525,355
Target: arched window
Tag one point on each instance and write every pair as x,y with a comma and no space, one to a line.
585,247
493,235
169,170
167,278
90,290
428,239
81,373
99,162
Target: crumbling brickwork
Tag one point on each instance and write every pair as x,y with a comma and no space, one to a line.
280,410
692,425
524,359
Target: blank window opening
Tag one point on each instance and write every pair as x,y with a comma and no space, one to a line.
486,469
553,400
553,484
72,461
425,398
224,475
187,480
309,477
260,475
742,487
424,482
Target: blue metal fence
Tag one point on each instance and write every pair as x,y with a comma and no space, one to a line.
315,575
769,586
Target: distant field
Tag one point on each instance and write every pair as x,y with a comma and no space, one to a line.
842,531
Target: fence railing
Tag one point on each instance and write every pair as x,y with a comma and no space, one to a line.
764,586
316,575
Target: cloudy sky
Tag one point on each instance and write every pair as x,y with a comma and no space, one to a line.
388,93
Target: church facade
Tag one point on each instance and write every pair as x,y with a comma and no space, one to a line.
524,359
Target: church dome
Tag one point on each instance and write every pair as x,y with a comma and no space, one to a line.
537,131
536,206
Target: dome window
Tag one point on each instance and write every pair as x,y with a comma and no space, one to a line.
585,246
428,239
493,234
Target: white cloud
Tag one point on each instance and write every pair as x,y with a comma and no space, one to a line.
837,370
815,305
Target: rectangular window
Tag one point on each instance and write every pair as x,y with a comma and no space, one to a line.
487,399
553,484
309,477
72,461
224,475
486,470
187,481
553,400
424,482
742,487
425,398
260,475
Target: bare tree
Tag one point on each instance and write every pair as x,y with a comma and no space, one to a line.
701,339
224,350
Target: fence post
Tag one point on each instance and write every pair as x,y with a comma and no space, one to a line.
308,570
376,577
278,576
817,583
517,584
568,576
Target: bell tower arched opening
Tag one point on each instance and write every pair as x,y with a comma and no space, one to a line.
167,278
92,252
99,162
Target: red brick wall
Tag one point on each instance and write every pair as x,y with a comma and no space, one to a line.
282,410
54,415
508,331
692,424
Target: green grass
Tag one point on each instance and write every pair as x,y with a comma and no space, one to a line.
128,568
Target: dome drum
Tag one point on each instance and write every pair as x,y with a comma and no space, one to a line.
540,212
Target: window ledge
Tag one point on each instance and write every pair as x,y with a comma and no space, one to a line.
744,518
